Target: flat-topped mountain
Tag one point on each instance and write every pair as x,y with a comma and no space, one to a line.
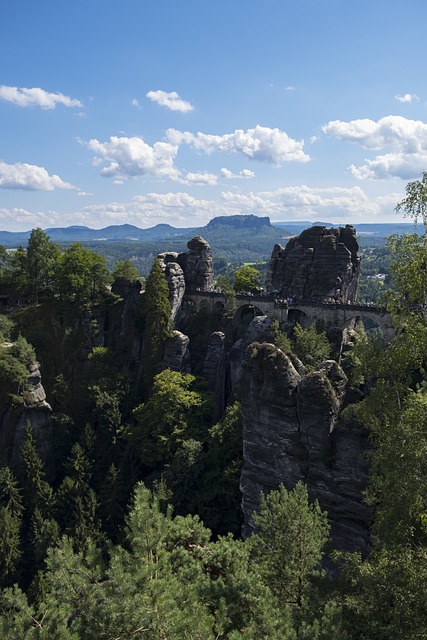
239,222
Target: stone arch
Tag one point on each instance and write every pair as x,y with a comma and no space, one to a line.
246,311
243,317
219,306
298,316
370,324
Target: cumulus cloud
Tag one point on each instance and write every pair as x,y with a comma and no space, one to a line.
29,177
405,141
336,204
407,98
171,100
260,143
244,173
36,97
133,157
200,178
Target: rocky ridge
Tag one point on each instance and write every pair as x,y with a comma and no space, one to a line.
320,263
292,433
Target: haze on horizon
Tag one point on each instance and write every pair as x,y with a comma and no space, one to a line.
147,113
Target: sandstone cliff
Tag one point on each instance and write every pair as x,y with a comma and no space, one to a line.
291,432
22,404
319,264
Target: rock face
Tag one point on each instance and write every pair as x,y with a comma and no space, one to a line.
176,282
197,265
36,411
319,264
291,432
176,355
214,371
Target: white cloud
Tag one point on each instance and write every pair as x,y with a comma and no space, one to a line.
260,143
132,157
36,98
391,165
407,98
135,103
199,178
335,204
244,173
406,139
171,100
29,177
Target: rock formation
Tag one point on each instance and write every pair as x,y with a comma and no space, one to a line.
291,432
197,265
214,371
176,355
34,410
319,264
176,282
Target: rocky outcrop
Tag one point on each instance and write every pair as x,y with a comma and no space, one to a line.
30,407
176,281
214,371
319,264
197,265
176,354
291,433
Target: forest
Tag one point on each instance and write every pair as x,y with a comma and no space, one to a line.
120,505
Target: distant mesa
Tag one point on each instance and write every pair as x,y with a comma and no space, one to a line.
239,221
219,228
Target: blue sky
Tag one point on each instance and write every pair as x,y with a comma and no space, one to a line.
171,111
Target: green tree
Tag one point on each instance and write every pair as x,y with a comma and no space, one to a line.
11,511
125,269
289,545
171,415
157,311
311,346
81,275
42,254
246,279
415,203
19,275
77,502
37,491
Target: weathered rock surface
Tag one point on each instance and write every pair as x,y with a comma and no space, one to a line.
176,281
34,410
197,265
319,264
214,370
176,355
291,432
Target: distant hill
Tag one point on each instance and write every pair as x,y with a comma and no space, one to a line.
85,234
237,239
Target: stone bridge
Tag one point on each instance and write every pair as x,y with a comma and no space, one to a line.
325,315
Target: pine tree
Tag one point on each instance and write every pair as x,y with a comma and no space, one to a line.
157,310
11,510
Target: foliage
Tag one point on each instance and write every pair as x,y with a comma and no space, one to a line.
246,279
383,596
409,272
279,338
311,346
81,275
415,203
125,269
172,415
157,310
290,542
42,255
6,328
